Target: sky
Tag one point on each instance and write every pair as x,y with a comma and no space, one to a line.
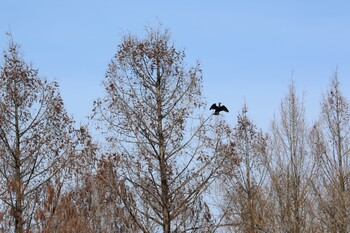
249,50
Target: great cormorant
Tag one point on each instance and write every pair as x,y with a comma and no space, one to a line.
218,108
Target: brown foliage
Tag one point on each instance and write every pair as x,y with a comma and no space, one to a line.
37,139
150,96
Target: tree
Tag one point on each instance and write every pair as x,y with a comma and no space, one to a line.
244,184
290,168
36,139
150,112
90,206
331,139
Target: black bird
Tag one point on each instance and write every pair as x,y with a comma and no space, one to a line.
218,108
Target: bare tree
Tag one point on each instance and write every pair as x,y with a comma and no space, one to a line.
35,139
150,112
244,184
331,140
290,166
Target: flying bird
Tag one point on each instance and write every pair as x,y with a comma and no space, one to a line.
218,109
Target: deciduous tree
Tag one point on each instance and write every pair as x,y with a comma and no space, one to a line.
290,166
331,140
150,109
244,184
36,139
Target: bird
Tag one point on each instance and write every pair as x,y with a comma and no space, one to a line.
218,109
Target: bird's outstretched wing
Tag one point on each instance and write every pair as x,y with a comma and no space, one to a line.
224,108
213,107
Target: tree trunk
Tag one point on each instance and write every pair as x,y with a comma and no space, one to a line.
18,209
162,159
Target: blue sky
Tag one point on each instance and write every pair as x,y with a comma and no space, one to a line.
249,50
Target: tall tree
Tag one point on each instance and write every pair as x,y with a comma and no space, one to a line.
35,138
244,183
331,148
290,167
151,98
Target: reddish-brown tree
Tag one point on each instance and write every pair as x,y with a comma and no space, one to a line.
149,109
35,139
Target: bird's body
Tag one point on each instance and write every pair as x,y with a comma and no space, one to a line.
218,108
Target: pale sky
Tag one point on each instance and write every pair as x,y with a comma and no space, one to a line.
249,50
